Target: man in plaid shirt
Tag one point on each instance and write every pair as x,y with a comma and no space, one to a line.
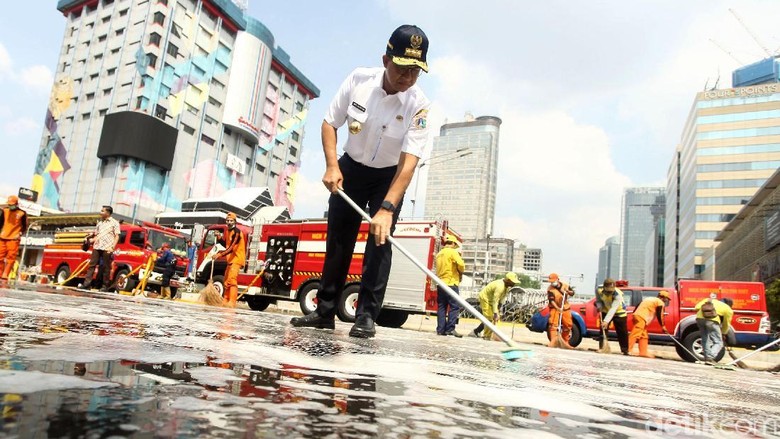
104,240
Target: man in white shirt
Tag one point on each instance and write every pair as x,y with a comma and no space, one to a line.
104,240
386,114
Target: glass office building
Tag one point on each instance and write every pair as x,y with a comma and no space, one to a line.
730,146
636,226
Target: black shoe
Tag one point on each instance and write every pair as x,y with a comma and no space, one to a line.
105,290
313,320
454,334
363,328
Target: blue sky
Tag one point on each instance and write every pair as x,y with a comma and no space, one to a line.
593,95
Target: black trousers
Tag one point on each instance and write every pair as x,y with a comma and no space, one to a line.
621,328
103,258
365,186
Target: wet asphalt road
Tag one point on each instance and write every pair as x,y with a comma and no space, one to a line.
102,365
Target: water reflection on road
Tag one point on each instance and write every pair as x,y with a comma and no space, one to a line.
97,366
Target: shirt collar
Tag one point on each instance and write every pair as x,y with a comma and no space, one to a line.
401,95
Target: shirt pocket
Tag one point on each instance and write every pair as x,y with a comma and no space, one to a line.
353,114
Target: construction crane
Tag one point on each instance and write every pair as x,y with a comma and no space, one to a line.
727,52
755,38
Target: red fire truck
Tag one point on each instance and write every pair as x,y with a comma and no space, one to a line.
293,252
136,244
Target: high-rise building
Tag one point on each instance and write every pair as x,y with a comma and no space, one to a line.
654,248
527,261
636,226
155,102
463,174
729,147
462,179
497,254
609,260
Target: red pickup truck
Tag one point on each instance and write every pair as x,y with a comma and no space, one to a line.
750,324
136,244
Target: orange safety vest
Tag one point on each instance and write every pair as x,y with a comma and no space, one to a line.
13,223
237,254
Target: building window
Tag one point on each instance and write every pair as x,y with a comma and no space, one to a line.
114,51
119,32
139,102
103,112
123,12
106,19
214,102
85,116
207,140
155,39
111,72
93,76
151,60
98,56
259,167
90,96
165,2
173,50
293,151
101,38
210,120
188,129
160,112
295,136
159,18
192,109
299,106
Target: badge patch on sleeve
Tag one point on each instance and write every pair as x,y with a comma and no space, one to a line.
420,120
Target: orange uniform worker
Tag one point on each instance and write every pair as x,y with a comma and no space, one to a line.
235,252
643,315
13,224
557,305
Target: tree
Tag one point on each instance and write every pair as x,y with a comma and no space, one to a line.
773,301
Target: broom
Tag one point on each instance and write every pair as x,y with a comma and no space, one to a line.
209,294
559,342
604,345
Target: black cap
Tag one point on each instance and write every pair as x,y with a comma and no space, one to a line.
408,46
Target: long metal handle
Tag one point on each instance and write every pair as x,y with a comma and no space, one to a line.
754,352
430,274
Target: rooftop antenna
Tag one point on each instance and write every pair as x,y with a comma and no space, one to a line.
752,35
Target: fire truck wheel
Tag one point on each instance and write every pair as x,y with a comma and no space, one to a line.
257,303
122,282
348,303
693,342
219,284
392,318
307,297
63,272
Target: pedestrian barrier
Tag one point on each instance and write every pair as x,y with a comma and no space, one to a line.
519,306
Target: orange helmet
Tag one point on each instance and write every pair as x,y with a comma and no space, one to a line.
663,294
231,216
553,277
12,200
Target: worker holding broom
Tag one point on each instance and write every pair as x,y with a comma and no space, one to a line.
235,252
609,301
560,322
386,114
643,315
490,298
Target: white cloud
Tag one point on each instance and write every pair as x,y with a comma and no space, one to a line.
38,78
311,197
20,126
5,111
6,66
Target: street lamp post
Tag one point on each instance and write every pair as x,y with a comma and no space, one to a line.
462,152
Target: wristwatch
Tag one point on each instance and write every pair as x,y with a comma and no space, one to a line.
388,206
